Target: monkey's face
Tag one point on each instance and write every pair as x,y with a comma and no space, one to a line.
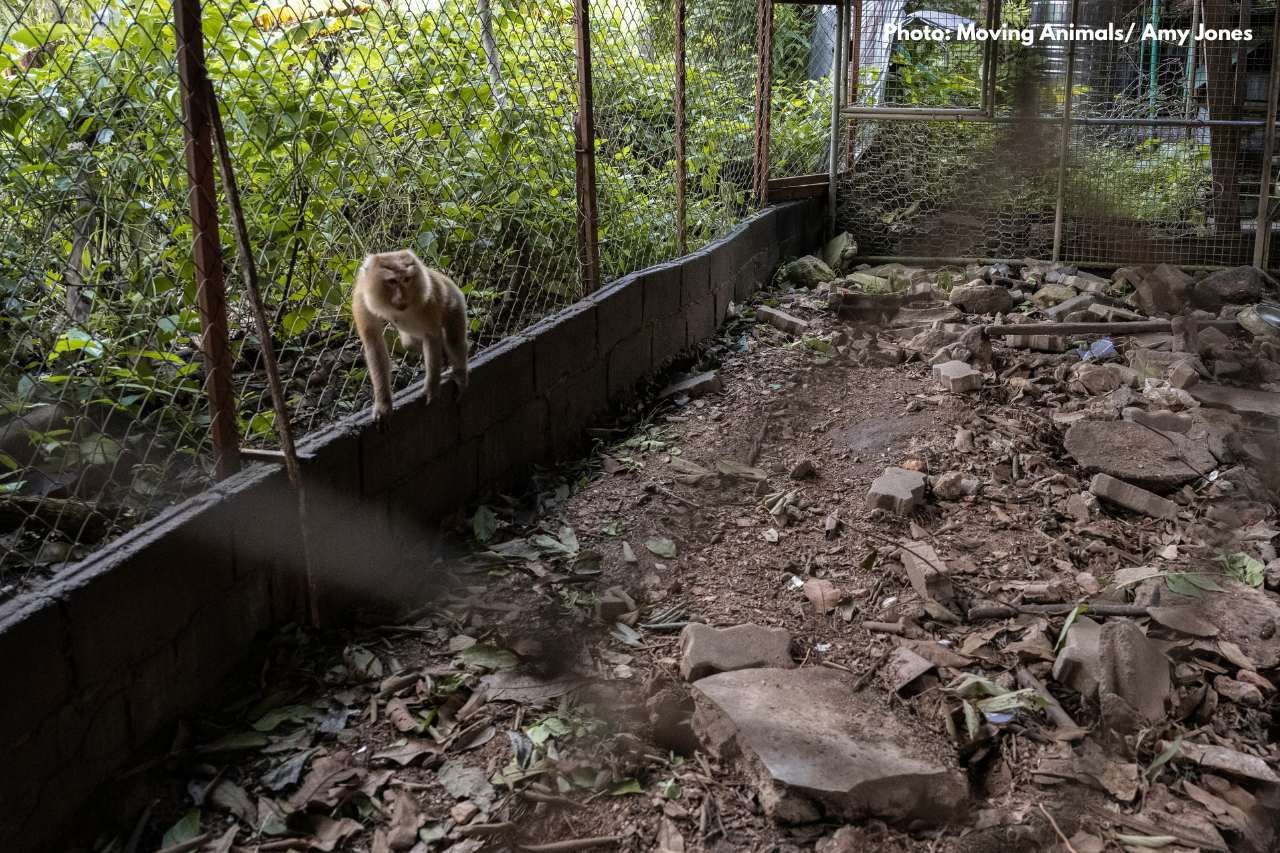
397,280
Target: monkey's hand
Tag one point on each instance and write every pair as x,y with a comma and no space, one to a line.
458,379
381,413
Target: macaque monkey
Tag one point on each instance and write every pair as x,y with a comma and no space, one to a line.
424,306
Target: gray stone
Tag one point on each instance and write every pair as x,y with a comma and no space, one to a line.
957,377
1236,286
1238,764
1242,401
1132,497
977,297
1164,420
1252,321
803,470
696,385
925,316
1134,679
897,490
817,750
1039,343
1076,665
1163,291
1183,376
705,650
1135,454
840,251
1239,692
1083,506
1052,294
808,271
954,485
781,320
927,572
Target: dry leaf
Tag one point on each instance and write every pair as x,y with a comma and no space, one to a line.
822,594
405,820
402,718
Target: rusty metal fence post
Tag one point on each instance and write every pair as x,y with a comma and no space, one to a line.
1262,233
585,153
682,165
764,99
206,244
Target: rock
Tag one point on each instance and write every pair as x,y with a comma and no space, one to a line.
1236,286
1164,420
927,572
1164,395
1163,291
1183,376
1132,497
1238,692
696,385
953,485
1252,322
1133,676
840,251
818,750
1078,302
808,271
904,668
464,812
932,339
979,298
897,490
1131,452
964,440
1097,379
1052,294
705,650
925,316
1039,343
1077,663
1214,343
781,320
803,470
1083,507
957,377
1248,617
864,307
1242,401
614,603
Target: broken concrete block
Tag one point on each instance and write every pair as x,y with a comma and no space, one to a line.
904,668
696,385
705,650
1248,617
1082,506
1077,663
1183,376
977,297
840,251
957,377
1039,343
1132,497
1242,401
926,571
1163,291
817,750
1134,670
1135,454
954,485
1238,764
897,490
781,320
1086,282
808,272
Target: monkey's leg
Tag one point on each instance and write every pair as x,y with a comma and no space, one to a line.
455,344
433,358
376,359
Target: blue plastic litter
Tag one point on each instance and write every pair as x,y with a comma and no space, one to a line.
1099,350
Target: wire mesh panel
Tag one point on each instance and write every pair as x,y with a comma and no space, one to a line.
103,419
800,117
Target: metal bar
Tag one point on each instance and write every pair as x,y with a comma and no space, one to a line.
1153,60
1262,234
935,260
682,165
1139,327
284,427
1192,54
854,80
585,153
977,118
837,87
207,246
1064,149
764,99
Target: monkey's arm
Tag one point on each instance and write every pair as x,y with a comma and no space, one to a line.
370,328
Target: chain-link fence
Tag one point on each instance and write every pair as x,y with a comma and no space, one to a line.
977,149
445,126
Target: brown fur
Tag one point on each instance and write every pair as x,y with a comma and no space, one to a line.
424,306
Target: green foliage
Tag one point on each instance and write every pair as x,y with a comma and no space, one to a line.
1153,181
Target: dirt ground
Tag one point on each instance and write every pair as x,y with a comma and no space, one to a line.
537,703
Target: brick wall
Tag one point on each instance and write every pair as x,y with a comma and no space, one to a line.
106,655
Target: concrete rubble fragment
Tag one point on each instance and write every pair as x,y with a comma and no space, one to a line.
977,297
815,749
695,386
705,650
1129,451
897,490
1132,497
926,571
957,377
782,320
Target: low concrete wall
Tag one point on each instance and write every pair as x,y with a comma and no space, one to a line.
107,654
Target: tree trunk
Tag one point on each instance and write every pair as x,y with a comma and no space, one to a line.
490,46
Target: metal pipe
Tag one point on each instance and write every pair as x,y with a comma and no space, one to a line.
1153,59
1064,149
837,80
1192,53
682,237
1139,327
207,245
934,260
1262,233
585,154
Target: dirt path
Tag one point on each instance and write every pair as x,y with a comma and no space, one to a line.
539,699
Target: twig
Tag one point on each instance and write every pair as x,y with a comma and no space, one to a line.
865,679
662,490
833,665
550,799
282,844
1054,824
1000,611
572,844
486,828
1055,710
885,627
